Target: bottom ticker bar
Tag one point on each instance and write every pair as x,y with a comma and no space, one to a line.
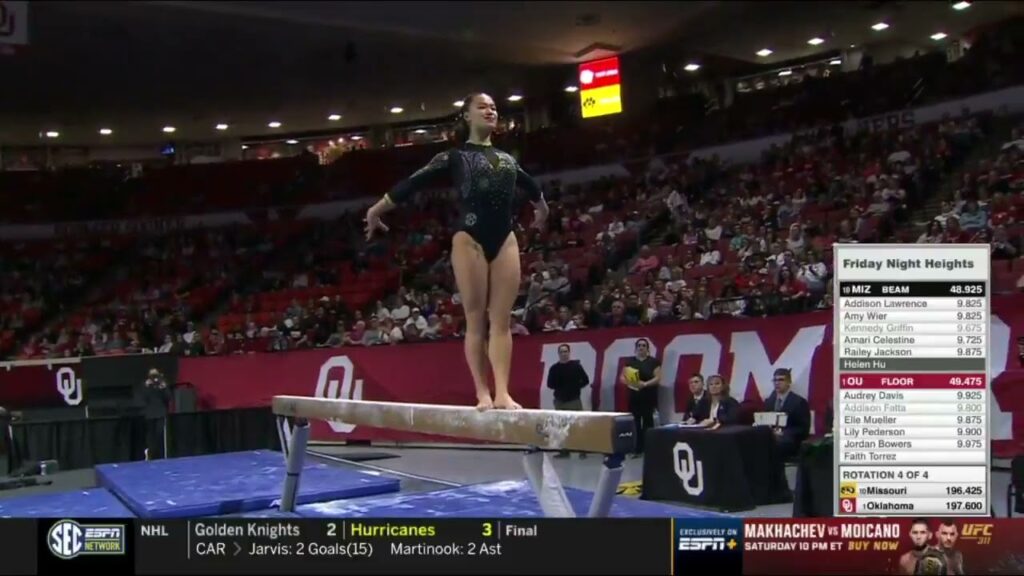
721,545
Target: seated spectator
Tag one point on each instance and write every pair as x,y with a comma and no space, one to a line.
707,254
796,241
932,233
518,329
972,218
1003,247
373,335
416,318
721,409
814,274
793,292
646,262
411,333
665,273
713,231
449,328
617,317
338,338
798,414
390,332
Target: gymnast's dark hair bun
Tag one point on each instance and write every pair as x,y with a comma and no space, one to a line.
461,125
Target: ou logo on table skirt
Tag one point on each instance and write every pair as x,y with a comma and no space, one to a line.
688,468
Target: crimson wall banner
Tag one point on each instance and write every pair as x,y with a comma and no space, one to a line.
744,351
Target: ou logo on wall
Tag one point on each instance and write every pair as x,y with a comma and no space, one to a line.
688,468
335,389
69,386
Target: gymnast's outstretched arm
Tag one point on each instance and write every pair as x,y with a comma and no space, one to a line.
434,172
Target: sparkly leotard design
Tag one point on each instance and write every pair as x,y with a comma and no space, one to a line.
486,179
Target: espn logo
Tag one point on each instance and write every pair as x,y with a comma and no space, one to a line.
701,544
68,539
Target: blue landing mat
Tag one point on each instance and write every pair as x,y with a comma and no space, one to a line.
512,498
92,503
229,483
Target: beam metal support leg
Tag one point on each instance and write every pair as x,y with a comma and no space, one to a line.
607,485
295,456
547,486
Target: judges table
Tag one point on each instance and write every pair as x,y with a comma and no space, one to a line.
732,468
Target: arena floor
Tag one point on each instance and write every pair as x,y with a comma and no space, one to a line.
430,469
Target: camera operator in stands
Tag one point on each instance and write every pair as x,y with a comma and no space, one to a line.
798,414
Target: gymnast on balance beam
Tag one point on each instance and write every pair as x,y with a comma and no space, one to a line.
485,252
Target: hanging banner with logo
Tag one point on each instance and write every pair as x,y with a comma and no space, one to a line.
744,351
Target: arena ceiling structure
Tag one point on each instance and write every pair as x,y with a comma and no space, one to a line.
137,67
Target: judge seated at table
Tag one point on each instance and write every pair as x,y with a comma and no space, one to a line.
698,396
797,410
721,409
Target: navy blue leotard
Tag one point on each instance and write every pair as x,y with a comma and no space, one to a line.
485,179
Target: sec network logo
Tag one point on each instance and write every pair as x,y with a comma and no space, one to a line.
67,539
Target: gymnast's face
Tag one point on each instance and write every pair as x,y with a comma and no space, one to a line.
482,113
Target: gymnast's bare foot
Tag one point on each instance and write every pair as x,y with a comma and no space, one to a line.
506,402
484,402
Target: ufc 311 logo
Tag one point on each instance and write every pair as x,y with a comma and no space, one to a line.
70,386
688,469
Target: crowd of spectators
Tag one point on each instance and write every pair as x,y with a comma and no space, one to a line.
678,239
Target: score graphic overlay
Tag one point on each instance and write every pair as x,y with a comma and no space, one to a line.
600,87
911,337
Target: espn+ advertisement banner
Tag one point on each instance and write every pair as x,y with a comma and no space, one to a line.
828,546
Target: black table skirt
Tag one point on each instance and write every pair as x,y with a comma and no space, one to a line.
739,467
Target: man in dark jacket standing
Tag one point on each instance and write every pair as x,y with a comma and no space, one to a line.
567,378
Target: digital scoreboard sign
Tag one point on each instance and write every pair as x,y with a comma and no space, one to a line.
911,334
600,87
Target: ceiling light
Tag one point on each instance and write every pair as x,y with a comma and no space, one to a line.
356,137
52,134
245,147
878,27
421,131
764,52
786,73
815,41
515,98
334,117
221,126
836,62
397,110
106,131
291,141
458,103
274,124
938,36
571,89
961,6
691,67
169,129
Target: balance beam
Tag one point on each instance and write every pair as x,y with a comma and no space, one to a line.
609,433
603,432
